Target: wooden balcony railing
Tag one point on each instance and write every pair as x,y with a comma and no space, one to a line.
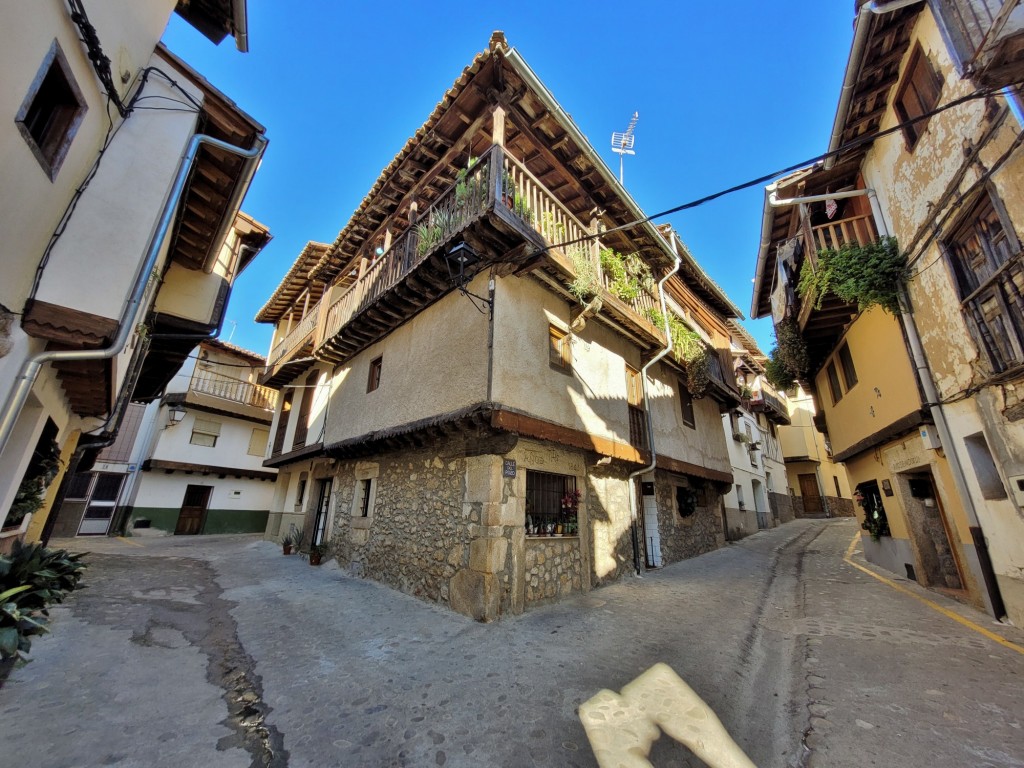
456,209
296,336
856,229
236,390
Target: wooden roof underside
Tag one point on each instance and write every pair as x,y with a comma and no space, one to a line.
294,283
459,128
215,173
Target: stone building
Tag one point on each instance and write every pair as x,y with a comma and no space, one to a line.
917,376
475,408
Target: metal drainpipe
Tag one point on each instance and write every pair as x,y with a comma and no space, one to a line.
647,410
33,365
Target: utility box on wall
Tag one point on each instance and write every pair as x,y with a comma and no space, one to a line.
1017,488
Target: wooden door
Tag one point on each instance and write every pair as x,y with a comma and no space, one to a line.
193,510
810,494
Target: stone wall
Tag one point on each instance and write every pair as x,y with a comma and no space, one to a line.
418,534
607,505
553,568
684,537
839,507
740,523
781,505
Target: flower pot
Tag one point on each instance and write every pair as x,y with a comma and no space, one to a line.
315,558
287,548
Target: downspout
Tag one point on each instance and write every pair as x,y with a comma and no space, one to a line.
860,36
33,365
647,409
924,376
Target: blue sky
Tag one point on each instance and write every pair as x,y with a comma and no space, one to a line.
726,92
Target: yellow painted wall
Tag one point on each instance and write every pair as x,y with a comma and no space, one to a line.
886,389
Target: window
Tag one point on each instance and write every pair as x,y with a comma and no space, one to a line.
323,505
78,488
559,349
282,422
373,380
686,501
551,501
51,112
300,493
635,400
365,492
917,95
686,404
985,470
739,496
833,382
205,433
985,258
846,364
258,441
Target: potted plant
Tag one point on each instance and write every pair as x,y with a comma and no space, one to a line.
291,540
316,554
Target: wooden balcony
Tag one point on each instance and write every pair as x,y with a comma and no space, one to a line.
506,215
820,326
293,354
230,396
990,34
771,405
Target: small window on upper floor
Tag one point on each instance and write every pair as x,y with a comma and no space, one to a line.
686,405
917,95
373,380
846,364
51,112
559,349
205,433
833,382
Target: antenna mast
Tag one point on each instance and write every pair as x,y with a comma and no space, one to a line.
622,143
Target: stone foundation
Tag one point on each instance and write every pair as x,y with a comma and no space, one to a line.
553,568
685,537
781,505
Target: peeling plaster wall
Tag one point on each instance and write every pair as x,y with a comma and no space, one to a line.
919,190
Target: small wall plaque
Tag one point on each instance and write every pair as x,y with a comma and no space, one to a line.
887,488
508,468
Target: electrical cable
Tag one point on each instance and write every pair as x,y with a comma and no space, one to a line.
982,93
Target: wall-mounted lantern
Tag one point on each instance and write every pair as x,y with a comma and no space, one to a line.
175,415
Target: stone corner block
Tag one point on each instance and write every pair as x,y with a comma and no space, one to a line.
477,595
488,555
483,478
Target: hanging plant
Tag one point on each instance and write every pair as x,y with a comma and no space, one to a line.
689,349
865,275
627,275
875,522
31,492
587,284
791,349
778,375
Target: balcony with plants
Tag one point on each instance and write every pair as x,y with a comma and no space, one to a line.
765,399
495,213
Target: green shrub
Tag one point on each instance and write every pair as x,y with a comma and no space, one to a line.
865,275
32,578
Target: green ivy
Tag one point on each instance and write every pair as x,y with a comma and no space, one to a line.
865,275
791,349
689,349
778,375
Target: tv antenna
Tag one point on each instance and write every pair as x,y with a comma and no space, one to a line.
622,143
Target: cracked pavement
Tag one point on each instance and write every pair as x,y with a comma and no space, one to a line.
219,651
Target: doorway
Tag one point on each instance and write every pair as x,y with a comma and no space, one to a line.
323,505
106,488
810,494
759,504
937,557
193,510
652,537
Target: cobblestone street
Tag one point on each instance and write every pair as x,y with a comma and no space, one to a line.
219,651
